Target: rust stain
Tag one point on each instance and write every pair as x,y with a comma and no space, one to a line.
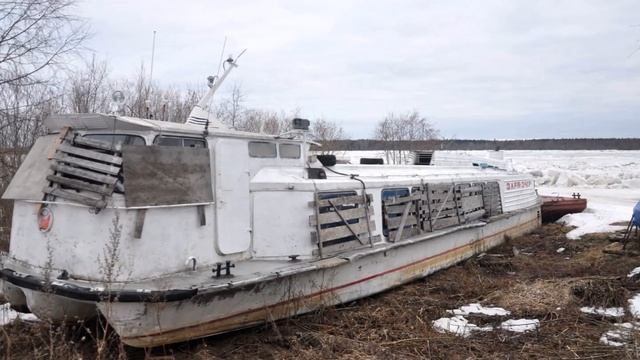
304,303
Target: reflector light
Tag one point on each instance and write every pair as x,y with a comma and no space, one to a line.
45,219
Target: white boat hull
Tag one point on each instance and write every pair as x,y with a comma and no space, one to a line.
335,281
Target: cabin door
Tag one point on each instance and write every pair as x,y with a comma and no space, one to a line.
233,208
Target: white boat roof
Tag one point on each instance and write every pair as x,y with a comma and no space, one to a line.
55,122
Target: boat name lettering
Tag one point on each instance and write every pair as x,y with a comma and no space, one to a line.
518,184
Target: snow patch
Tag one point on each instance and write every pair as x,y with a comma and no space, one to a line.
458,325
608,312
476,308
634,272
560,250
520,325
634,306
620,335
589,222
8,315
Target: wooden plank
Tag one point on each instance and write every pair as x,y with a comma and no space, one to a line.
345,222
398,209
471,190
81,185
90,154
88,164
316,235
394,222
98,144
344,200
56,143
139,223
109,180
406,233
332,217
403,221
343,231
447,204
345,246
80,198
401,200
474,215
445,223
426,225
443,213
427,205
440,196
472,203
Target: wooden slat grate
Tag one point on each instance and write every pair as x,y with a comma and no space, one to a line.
85,170
401,216
342,221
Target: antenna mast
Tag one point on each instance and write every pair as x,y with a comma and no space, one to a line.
153,53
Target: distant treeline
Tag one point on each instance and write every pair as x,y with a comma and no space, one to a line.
533,144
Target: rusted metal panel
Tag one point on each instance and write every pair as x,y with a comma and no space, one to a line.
162,175
28,181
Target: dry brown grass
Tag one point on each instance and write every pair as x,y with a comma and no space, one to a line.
397,324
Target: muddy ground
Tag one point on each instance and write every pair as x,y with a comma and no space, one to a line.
527,276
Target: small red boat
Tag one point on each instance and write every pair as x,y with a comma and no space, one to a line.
555,207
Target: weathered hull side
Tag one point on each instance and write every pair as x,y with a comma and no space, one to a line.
338,281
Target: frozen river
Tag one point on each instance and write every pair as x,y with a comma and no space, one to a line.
609,179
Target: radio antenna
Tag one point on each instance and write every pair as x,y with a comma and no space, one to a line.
224,45
153,53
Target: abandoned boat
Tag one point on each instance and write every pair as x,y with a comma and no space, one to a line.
178,231
555,207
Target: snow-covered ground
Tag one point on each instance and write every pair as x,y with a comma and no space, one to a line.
609,179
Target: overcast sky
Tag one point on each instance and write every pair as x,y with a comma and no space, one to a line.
477,69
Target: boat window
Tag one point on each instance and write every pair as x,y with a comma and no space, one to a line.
194,143
118,139
388,194
326,209
180,141
262,149
290,151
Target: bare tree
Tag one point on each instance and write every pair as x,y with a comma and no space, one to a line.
22,111
89,91
403,127
36,36
230,110
265,121
326,131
